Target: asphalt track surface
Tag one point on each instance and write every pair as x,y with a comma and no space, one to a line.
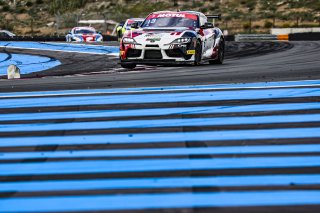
165,139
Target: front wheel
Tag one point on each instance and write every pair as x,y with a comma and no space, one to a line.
128,66
198,55
220,58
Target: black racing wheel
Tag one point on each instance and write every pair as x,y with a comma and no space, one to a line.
198,55
220,57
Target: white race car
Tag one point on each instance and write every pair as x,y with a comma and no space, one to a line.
84,34
127,25
172,38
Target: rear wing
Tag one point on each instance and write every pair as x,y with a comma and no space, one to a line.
214,16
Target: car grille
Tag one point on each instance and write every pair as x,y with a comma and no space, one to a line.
133,53
176,53
152,54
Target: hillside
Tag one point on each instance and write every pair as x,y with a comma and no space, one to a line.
34,17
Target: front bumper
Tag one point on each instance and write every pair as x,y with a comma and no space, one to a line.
155,62
154,53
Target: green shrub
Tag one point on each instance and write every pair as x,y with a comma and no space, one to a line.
39,1
21,10
29,4
286,25
204,10
246,26
6,8
268,24
256,26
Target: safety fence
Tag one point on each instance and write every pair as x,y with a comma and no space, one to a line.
283,37
239,37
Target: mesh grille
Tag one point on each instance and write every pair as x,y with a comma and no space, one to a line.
174,53
133,53
152,54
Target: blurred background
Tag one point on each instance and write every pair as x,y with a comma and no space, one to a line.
56,17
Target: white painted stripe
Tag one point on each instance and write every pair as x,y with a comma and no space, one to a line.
261,85
70,51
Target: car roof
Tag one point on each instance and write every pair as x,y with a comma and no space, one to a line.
168,11
91,28
8,32
137,19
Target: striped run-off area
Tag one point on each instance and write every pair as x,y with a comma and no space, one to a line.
211,148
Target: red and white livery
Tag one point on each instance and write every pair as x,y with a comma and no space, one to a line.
167,37
84,34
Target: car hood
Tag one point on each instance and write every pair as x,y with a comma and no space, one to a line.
86,35
156,35
164,29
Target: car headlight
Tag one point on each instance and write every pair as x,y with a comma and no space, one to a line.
183,40
77,38
127,40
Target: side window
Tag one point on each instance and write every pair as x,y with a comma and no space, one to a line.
203,20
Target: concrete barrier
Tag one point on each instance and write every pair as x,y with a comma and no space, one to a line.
283,37
286,31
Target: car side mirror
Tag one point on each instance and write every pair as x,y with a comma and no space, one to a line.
207,25
135,25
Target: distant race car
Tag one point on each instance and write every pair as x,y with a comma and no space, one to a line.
127,25
84,34
167,37
6,34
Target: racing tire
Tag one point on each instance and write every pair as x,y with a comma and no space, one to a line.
198,55
128,66
220,58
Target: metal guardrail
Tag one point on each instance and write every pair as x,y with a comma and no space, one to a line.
256,37
48,38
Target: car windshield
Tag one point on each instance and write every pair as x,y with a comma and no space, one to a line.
171,20
84,31
130,22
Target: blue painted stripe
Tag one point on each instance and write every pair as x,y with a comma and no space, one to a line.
112,166
147,183
166,152
223,121
28,63
163,137
264,85
65,47
160,201
159,111
158,98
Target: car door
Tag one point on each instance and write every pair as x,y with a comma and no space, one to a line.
207,38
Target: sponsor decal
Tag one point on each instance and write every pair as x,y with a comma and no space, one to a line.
153,35
149,35
153,39
173,15
191,52
178,15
